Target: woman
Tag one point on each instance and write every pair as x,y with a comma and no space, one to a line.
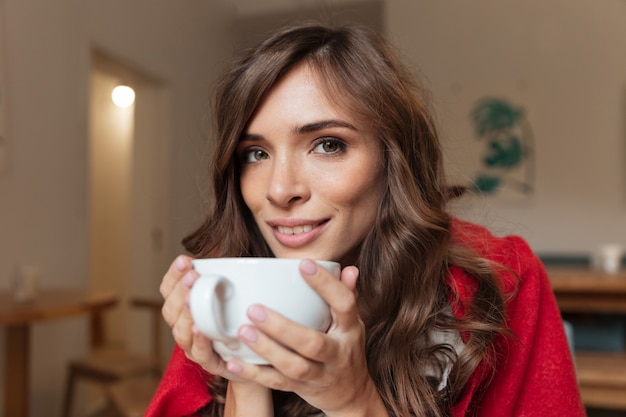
326,149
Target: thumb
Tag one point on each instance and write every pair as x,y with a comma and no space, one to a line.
349,277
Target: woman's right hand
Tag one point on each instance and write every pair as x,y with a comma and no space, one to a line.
174,288
243,397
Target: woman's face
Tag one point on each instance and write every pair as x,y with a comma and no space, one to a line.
312,174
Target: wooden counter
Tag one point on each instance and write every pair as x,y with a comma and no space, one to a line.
602,375
584,290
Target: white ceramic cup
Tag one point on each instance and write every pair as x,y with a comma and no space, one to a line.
219,299
25,283
610,257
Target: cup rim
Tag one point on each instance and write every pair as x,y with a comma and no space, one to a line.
255,260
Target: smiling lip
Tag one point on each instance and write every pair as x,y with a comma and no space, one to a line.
295,233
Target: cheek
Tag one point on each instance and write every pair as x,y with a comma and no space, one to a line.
356,193
249,191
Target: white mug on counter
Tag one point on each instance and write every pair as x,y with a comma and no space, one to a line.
25,283
609,258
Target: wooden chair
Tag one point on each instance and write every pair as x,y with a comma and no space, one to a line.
131,397
107,366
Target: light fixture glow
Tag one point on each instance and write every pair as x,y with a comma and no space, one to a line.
123,96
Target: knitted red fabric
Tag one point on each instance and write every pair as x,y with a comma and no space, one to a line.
535,375
183,389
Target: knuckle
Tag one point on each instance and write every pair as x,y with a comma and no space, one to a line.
299,369
314,346
182,337
168,315
163,290
346,305
278,384
197,351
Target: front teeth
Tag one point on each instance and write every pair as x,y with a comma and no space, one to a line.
294,230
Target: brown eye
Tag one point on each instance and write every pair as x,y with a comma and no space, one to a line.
253,155
259,155
329,146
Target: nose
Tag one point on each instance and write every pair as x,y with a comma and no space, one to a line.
287,183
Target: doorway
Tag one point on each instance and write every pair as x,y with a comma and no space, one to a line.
128,193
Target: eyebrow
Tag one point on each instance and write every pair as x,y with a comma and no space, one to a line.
323,124
307,128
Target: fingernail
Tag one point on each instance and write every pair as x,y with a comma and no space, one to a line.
257,313
180,264
249,334
308,266
234,367
194,330
188,279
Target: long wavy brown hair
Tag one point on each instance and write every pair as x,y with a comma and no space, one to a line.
404,261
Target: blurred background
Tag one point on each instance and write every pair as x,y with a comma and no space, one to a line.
96,196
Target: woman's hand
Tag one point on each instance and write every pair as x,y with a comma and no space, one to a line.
328,370
243,397
175,288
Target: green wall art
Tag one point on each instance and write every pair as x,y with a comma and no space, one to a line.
508,157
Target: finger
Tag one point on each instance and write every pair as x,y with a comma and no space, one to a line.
201,351
349,277
182,330
178,268
176,301
267,376
339,296
274,332
293,365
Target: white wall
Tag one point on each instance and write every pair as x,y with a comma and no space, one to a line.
565,62
43,196
111,151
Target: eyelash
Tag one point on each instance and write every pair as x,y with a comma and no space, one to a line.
340,144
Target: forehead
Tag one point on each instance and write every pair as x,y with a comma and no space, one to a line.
303,92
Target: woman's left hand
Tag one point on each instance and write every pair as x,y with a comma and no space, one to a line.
328,370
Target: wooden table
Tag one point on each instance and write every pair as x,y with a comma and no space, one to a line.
579,290
602,375
17,318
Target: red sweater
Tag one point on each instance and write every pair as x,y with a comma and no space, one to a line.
534,374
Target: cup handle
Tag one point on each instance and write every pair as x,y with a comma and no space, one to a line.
207,302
